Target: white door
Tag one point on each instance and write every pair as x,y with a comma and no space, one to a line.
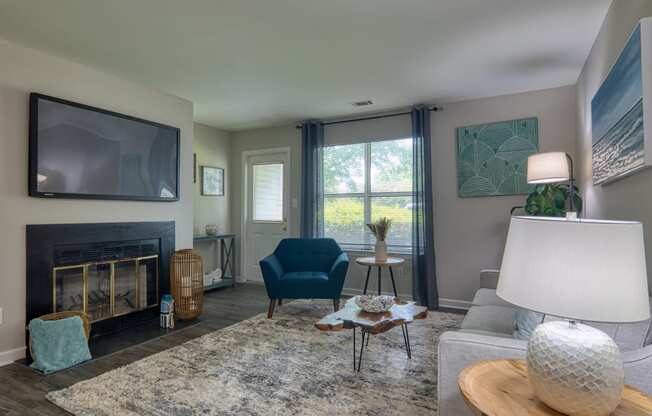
267,207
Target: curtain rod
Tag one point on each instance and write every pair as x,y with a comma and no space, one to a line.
330,123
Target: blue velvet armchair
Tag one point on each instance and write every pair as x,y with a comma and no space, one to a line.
304,268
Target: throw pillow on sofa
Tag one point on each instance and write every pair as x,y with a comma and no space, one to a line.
525,323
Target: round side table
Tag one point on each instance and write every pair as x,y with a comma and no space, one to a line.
501,388
371,262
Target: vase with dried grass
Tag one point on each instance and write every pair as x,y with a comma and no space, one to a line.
380,229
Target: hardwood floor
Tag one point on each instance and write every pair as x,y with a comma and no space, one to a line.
22,391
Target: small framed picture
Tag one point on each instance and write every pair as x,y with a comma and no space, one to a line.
212,181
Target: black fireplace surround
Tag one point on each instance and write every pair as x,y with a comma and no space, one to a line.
61,245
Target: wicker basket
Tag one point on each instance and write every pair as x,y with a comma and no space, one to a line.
187,281
63,315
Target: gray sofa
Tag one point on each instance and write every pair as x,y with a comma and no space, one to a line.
487,333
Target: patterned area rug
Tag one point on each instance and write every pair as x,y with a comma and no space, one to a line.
272,367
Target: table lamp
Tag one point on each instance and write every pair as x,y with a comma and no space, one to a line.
580,270
552,167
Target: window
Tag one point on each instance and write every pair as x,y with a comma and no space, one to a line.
268,192
366,181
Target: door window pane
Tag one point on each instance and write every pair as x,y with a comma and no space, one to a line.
344,219
344,169
391,166
268,192
399,210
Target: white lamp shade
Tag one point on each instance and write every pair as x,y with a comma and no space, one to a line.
547,168
587,270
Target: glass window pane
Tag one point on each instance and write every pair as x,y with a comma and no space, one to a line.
268,192
344,170
399,210
391,166
344,219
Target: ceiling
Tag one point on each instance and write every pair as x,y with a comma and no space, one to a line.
254,63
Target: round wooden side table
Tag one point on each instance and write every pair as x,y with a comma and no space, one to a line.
501,388
371,262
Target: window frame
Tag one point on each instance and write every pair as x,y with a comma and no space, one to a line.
367,196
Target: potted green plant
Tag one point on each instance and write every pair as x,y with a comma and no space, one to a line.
549,200
380,229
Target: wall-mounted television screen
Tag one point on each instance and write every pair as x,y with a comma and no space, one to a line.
78,151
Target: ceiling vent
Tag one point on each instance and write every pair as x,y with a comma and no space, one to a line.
362,103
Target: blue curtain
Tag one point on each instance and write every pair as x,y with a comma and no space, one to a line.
424,278
312,143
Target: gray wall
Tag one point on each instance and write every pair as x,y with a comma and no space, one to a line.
24,70
470,232
629,198
213,148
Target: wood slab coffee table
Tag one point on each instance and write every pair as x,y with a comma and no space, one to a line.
352,317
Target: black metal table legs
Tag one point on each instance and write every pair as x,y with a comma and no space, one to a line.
357,356
366,283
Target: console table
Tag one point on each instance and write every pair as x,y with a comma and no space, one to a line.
225,249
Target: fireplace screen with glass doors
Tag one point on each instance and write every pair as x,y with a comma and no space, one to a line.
107,288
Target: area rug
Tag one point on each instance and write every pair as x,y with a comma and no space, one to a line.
273,366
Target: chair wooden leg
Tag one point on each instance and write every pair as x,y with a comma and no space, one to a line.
336,304
270,311
280,302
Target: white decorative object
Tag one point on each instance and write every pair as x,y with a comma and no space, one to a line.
375,304
211,229
381,251
580,269
575,368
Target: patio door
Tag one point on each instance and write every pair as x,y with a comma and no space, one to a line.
266,206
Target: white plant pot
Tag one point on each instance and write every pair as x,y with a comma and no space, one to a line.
381,251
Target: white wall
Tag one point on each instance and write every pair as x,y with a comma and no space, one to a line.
213,148
470,232
629,198
22,71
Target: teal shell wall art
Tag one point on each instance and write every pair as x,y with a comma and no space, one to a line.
492,158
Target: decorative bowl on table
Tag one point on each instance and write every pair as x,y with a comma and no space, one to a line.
375,304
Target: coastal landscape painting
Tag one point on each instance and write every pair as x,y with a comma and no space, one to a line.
618,119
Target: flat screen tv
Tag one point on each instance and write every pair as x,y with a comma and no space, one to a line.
78,151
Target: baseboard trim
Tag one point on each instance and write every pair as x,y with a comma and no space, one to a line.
454,304
443,302
9,356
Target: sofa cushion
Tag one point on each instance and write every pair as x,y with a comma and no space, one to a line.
486,333
304,285
300,254
485,297
490,318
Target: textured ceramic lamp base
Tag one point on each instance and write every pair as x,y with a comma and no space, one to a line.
575,369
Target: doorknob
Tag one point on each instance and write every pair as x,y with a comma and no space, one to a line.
285,225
